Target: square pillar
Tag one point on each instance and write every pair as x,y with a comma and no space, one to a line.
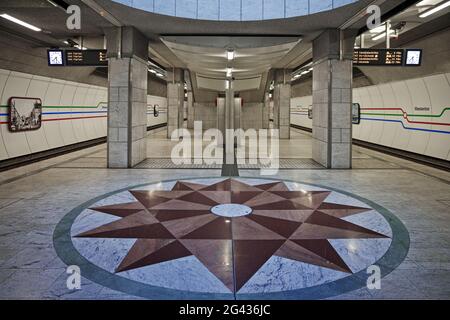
282,103
266,112
332,100
127,98
175,101
220,105
190,110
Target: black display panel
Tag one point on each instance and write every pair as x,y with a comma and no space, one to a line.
90,58
55,58
378,57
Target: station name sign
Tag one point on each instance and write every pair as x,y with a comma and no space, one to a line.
388,57
77,58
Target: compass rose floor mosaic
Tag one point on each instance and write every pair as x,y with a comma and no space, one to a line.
230,238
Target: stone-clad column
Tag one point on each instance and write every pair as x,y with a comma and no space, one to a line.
282,103
127,97
175,100
332,99
266,112
190,110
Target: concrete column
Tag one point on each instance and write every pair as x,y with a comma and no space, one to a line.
190,110
127,97
229,107
220,105
266,112
175,101
237,124
332,99
229,123
282,103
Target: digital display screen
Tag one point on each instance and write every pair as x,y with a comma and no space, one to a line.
413,57
356,113
378,57
86,58
55,58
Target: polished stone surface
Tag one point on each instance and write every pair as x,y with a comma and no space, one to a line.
34,198
278,236
231,210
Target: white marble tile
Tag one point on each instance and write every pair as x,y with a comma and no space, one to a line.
281,274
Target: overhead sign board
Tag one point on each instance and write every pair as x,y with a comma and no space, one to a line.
77,58
378,57
86,58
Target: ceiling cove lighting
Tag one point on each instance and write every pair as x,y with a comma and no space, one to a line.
20,22
230,55
435,9
382,35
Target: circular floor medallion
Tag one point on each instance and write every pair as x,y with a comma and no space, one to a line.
231,210
218,238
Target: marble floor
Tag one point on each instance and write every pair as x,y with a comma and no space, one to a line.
307,233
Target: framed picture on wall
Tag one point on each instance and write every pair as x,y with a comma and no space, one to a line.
24,114
356,113
310,112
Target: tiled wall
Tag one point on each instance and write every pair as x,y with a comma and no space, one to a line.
252,115
207,113
72,112
411,115
235,10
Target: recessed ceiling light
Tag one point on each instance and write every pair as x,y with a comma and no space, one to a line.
20,22
435,9
230,55
52,3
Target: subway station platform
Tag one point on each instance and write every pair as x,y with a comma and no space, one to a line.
307,233
257,151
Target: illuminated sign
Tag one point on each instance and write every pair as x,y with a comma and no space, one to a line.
93,58
55,58
378,57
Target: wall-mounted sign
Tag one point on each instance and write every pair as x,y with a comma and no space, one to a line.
413,57
356,113
25,114
93,58
310,112
378,57
55,58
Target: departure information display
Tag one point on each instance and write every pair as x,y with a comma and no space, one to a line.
379,57
86,58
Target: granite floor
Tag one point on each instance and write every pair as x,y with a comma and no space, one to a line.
35,198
